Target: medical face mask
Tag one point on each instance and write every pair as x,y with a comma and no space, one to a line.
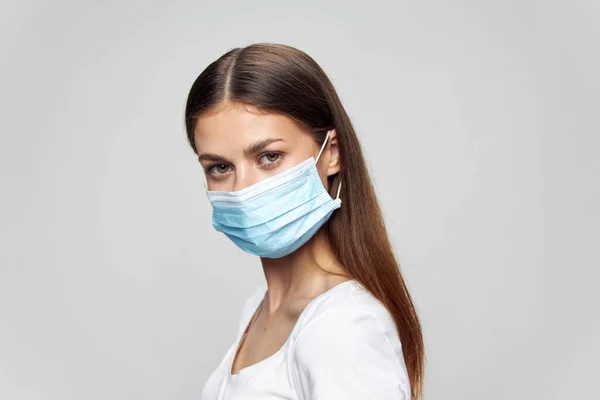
277,215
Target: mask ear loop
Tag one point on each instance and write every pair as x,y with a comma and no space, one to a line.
337,197
322,147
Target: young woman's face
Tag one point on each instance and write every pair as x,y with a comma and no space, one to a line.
237,147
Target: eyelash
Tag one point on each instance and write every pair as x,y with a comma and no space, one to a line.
268,165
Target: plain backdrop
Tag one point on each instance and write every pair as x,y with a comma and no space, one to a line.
480,124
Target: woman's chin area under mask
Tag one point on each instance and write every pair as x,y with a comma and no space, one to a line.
239,146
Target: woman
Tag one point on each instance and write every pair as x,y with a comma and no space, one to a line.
287,181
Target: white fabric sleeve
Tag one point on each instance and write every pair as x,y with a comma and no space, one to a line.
344,354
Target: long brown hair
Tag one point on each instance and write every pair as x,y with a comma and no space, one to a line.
282,79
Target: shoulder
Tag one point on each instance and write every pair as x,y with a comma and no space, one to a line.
347,302
346,346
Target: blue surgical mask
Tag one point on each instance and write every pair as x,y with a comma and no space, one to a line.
274,217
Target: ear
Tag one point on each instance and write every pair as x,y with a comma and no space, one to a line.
333,154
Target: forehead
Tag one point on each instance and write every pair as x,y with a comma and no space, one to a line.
234,124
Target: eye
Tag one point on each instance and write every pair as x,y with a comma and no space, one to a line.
221,168
218,170
270,158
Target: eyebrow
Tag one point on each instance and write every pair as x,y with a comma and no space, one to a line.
249,150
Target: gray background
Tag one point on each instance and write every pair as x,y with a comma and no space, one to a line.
479,120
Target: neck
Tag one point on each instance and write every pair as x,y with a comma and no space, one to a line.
306,272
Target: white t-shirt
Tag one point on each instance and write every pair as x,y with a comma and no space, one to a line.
344,345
